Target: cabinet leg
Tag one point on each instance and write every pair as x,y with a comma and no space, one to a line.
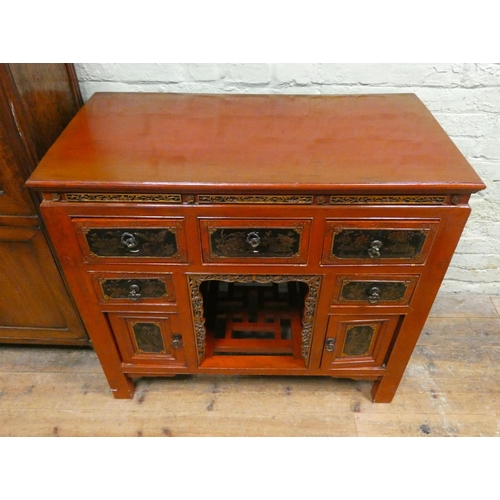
123,389
384,389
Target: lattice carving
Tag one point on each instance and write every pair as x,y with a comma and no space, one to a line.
310,304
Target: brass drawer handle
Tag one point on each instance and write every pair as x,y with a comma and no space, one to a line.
330,345
374,250
130,241
176,341
134,292
253,239
373,295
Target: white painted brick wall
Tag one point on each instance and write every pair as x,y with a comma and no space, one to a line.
464,98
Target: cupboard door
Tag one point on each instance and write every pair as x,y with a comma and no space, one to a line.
356,342
35,305
148,338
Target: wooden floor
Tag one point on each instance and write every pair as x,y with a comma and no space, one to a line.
451,388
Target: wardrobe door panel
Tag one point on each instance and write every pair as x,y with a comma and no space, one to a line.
34,305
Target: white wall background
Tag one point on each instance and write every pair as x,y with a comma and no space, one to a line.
464,98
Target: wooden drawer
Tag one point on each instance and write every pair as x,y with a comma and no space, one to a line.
277,241
133,287
374,290
144,240
148,338
358,341
371,242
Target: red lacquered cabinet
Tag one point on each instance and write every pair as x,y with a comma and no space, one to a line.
269,235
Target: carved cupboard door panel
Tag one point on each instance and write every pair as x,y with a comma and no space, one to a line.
358,341
148,338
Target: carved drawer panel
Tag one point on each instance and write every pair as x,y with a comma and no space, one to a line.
148,338
372,242
374,290
135,239
128,287
258,241
354,341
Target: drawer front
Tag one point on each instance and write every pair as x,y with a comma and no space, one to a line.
258,241
148,338
126,288
142,239
374,290
353,341
369,242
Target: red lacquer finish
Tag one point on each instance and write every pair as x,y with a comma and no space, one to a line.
290,235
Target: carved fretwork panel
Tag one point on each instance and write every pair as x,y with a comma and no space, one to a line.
308,315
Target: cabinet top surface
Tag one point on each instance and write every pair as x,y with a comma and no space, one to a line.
158,142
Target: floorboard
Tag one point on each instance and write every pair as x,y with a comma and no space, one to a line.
451,388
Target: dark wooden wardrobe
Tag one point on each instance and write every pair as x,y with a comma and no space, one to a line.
37,101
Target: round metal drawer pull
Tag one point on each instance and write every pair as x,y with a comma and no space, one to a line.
253,239
373,295
176,341
130,241
134,292
374,250
330,345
